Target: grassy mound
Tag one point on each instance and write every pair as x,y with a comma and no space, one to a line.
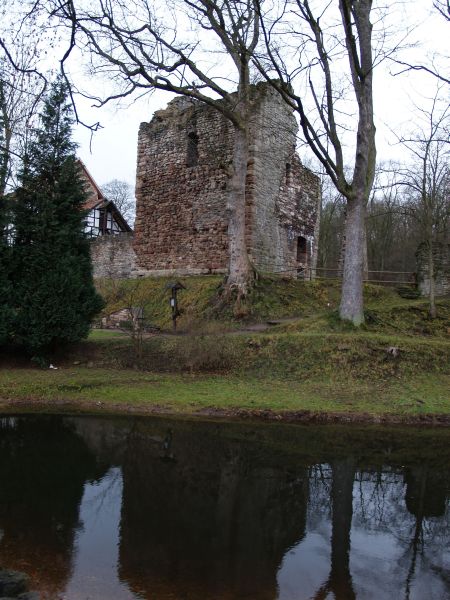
311,307
284,355
152,295
398,363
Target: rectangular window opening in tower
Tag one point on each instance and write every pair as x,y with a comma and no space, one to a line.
302,249
192,150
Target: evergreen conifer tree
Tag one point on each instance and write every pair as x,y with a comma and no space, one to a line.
6,311
54,294
6,307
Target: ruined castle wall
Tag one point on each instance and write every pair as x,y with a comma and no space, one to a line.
273,132
183,169
113,256
299,204
181,219
285,195
441,255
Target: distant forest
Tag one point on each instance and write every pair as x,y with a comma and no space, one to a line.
396,220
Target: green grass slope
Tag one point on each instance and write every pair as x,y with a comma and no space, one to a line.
397,364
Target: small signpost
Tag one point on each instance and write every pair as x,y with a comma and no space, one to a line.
173,301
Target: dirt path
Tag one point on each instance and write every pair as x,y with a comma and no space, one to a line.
261,327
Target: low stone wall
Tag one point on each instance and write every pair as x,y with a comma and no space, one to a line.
113,256
441,253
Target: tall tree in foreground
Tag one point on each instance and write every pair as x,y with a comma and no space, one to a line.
6,309
149,44
54,295
331,48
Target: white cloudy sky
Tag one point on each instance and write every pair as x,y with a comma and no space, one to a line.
112,151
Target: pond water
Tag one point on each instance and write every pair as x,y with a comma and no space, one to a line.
128,508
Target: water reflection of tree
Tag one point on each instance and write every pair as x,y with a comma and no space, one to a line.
43,465
378,496
319,505
339,581
210,513
408,504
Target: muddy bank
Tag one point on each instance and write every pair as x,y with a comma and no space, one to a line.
230,414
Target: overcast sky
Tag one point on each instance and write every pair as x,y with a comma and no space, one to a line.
111,153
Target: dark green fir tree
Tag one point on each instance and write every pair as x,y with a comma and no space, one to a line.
54,293
6,303
6,309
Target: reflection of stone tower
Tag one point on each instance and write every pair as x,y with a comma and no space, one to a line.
183,173
426,492
206,517
39,505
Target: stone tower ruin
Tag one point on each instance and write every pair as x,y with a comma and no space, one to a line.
183,169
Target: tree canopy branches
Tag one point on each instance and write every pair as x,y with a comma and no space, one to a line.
147,45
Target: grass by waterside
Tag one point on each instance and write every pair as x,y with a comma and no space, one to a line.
282,356
396,366
130,391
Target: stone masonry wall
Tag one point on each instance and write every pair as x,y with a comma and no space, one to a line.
441,253
113,256
181,221
286,195
183,168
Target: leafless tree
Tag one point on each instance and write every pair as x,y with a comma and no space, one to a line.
443,7
145,45
432,68
324,38
21,89
428,180
133,296
383,220
332,221
20,95
122,194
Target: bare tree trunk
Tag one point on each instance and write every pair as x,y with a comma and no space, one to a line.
351,308
357,36
342,496
5,140
339,582
365,255
342,252
240,270
417,539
